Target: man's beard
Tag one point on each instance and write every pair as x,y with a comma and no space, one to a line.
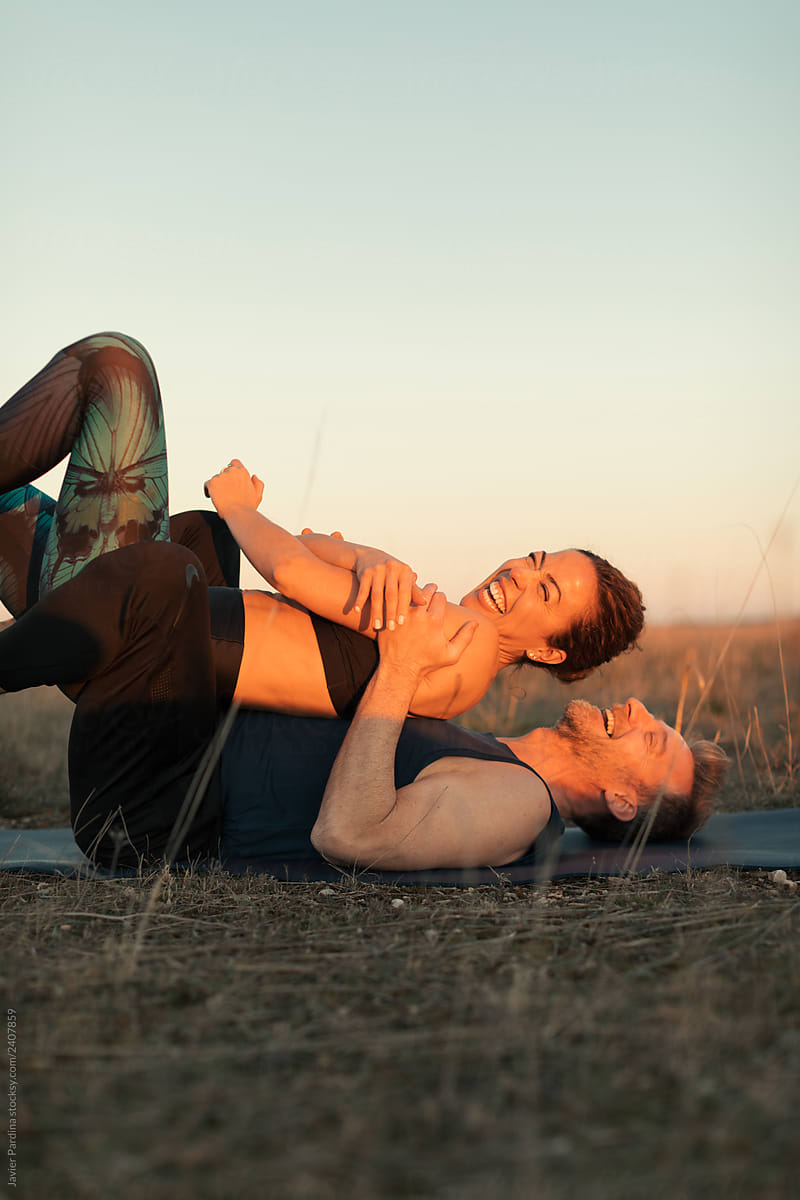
578,729
577,725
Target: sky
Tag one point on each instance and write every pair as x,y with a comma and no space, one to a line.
461,279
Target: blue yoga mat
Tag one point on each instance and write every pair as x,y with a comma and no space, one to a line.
768,839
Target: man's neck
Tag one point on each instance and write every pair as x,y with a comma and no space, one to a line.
546,751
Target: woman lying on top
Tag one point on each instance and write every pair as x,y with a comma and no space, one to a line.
311,648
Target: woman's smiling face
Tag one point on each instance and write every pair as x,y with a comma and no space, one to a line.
536,598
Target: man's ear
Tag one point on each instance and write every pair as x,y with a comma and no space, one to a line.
623,807
546,654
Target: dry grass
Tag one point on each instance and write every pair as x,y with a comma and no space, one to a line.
598,1038
613,1039
33,751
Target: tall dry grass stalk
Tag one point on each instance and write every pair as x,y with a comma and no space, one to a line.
762,564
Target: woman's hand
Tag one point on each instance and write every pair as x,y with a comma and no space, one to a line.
234,486
390,586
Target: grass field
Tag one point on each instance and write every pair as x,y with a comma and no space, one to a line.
598,1038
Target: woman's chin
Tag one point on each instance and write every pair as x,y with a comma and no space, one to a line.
472,602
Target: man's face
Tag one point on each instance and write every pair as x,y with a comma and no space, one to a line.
535,598
626,748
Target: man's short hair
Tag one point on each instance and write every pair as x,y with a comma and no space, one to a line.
677,816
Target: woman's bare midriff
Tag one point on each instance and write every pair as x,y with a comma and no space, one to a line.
282,669
281,666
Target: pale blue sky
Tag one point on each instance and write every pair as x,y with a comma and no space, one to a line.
525,275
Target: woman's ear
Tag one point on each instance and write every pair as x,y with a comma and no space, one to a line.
548,655
620,806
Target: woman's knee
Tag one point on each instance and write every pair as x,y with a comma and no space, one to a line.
165,566
148,584
113,348
109,340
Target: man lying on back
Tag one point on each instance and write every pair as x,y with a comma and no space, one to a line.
410,793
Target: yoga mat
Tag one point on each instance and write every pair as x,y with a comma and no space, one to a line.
768,839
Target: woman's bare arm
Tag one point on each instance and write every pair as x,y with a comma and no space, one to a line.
331,548
278,556
387,582
368,579
331,591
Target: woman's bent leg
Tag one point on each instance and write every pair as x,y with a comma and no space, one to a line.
134,625
97,401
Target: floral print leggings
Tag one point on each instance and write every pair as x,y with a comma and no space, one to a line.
98,402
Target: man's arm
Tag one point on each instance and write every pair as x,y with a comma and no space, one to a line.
443,818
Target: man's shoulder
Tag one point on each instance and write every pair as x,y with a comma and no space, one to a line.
514,796
494,811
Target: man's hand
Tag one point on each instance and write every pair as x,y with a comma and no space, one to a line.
421,645
234,486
